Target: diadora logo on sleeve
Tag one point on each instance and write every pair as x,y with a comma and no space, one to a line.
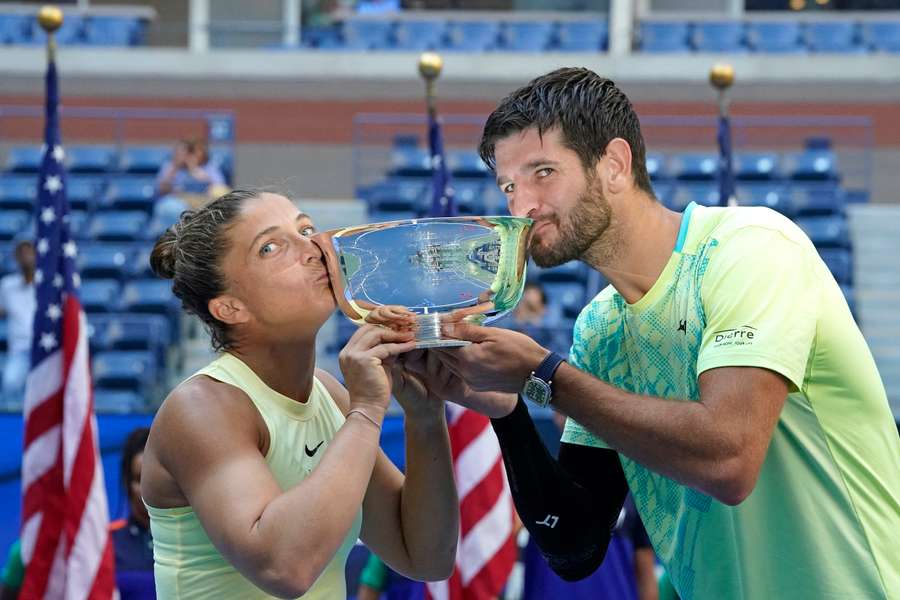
740,336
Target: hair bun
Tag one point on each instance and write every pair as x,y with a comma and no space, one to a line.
162,258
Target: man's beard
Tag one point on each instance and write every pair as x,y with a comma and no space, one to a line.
581,227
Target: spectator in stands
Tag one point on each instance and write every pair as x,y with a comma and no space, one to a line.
261,471
190,173
132,542
721,376
533,318
17,304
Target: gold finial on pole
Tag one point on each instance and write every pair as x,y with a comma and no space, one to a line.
721,77
430,66
51,18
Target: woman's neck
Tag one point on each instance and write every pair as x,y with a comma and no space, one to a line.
287,368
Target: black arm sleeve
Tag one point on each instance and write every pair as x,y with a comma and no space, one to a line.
569,507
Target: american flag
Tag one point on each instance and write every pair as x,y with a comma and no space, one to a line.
726,170
65,540
487,546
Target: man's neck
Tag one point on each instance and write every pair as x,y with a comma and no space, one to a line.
638,243
28,276
287,368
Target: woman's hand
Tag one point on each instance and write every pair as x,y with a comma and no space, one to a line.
366,362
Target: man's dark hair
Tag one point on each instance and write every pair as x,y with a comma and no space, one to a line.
589,110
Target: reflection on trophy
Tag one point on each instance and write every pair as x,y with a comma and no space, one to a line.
442,269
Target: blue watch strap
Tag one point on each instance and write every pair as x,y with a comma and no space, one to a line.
548,367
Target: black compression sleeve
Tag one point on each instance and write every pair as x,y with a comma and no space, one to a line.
570,506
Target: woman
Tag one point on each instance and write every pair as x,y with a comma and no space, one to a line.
261,471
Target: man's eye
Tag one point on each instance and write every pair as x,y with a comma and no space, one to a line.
267,249
308,230
508,188
544,172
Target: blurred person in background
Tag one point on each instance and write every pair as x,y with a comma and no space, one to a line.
533,317
132,542
17,305
189,174
261,471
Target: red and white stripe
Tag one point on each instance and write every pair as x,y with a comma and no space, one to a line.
487,546
65,541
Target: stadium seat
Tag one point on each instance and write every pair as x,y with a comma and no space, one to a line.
718,36
367,34
144,159
840,263
118,401
881,36
91,159
130,193
566,297
18,192
78,224
149,296
137,332
328,37
24,159
696,167
138,266
99,295
571,271
85,192
781,37
70,33
118,225
399,194
223,157
469,197
467,164
385,216
526,36
581,36
850,296
755,166
12,222
705,194
114,31
662,36
15,29
133,370
419,35
4,328
817,165
769,194
494,200
826,231
816,200
664,192
102,261
832,36
656,166
410,161
472,36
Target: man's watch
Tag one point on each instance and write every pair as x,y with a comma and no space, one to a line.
538,388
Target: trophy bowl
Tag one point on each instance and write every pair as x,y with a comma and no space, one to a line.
442,269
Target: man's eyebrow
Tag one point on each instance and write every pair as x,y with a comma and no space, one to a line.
501,179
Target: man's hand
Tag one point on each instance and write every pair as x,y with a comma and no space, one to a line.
498,360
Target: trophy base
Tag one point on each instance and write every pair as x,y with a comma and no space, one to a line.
429,333
422,344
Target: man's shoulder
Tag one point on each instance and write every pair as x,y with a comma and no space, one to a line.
749,222
605,305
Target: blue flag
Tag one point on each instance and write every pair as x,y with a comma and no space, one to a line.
442,204
726,171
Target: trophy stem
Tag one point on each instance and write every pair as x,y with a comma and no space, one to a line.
428,333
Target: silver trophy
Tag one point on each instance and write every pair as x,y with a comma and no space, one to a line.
442,269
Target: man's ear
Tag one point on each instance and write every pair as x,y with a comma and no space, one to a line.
229,310
617,168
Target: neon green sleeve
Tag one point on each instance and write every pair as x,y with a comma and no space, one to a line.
374,574
14,570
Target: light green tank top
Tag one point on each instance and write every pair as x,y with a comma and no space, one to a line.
186,564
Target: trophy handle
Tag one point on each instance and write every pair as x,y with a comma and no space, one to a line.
338,286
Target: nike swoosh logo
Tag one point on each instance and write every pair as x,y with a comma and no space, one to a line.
311,453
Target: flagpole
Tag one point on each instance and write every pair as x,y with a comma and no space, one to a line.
430,66
51,19
721,77
442,202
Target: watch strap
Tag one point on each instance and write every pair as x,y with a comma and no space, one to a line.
548,366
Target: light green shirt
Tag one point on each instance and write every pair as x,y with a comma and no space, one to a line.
745,287
186,564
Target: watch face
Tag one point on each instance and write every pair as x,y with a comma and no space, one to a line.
537,391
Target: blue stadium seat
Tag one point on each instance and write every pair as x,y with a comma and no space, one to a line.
99,295
130,193
117,226
656,166
399,194
384,216
84,192
18,192
15,29
816,165
91,159
705,194
410,161
582,36
696,166
826,231
781,37
526,36
70,33
3,335
472,36
368,34
24,159
223,157
833,36
144,159
662,36
571,271
769,194
466,163
139,265
840,263
118,401
133,370
114,31
816,200
664,192
12,222
756,166
78,224
101,261
420,35
566,297
321,37
881,36
494,200
137,332
149,296
718,36
469,197
850,297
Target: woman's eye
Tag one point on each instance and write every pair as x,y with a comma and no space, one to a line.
267,249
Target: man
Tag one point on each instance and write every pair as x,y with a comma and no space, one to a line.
721,374
17,304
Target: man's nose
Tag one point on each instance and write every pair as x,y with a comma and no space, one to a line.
523,202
